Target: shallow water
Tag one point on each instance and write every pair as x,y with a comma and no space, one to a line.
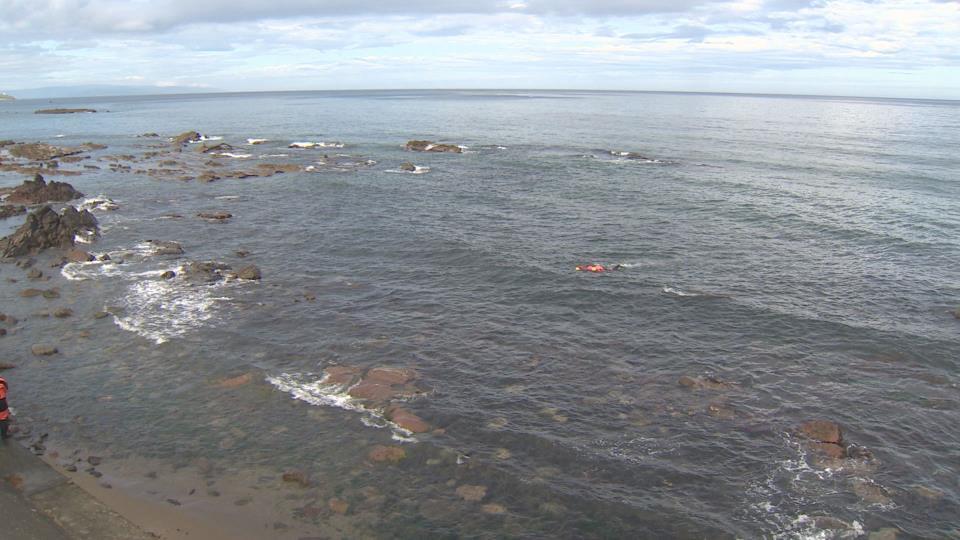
803,249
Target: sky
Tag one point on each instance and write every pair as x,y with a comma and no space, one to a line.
886,48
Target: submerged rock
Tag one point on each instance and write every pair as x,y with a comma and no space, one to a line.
187,137
250,272
472,493
217,217
823,431
407,420
78,255
43,350
407,166
391,454
38,191
64,111
44,228
430,146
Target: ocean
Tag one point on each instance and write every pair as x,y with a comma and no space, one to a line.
783,259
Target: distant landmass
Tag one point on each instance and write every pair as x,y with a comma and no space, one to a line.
6,97
51,92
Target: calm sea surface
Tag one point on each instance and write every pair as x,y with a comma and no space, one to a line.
804,250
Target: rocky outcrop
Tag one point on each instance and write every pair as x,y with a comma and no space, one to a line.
430,146
250,272
408,167
204,271
38,191
41,151
44,228
8,210
64,111
187,137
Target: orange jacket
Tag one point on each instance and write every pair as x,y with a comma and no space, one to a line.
4,411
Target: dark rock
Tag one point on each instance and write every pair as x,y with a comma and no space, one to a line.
407,166
43,350
30,293
38,191
241,253
169,274
204,272
249,272
70,468
215,216
5,366
101,315
50,294
78,255
148,135
64,111
9,210
207,177
34,273
3,332
94,460
62,313
173,502
429,146
44,228
296,477
214,149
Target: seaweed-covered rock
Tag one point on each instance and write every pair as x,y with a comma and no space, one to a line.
45,228
430,146
38,191
41,151
187,137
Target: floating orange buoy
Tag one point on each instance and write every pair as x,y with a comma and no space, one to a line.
591,268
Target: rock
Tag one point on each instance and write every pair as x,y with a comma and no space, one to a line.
831,523
296,477
101,315
493,509
186,137
34,273
70,468
236,382
62,313
391,454
5,366
214,148
822,431
204,272
207,176
44,228
38,191
43,350
64,111
148,135
94,460
9,210
390,376
830,450
371,391
429,146
30,293
338,506
870,492
407,420
249,272
215,216
407,166
50,294
340,375
173,502
472,493
41,151
78,255
166,247
704,383
168,274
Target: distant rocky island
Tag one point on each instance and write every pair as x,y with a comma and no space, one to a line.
6,97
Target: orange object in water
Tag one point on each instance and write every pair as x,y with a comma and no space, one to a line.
4,411
591,268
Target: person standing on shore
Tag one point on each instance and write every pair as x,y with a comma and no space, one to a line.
4,410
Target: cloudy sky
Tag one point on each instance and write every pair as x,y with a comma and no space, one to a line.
900,48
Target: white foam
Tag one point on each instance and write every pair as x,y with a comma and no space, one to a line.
232,155
60,136
257,141
205,138
417,170
99,203
320,144
160,310
274,155
227,197
318,392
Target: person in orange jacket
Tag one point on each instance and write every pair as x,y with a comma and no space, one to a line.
4,410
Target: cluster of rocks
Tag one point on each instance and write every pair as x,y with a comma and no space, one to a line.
45,228
430,146
213,271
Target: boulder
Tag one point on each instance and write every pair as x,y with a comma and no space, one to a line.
296,477
169,274
9,210
186,137
43,350
34,273
166,247
250,272
407,166
214,148
407,420
62,313
44,228
38,191
204,272
430,146
218,217
371,392
207,177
